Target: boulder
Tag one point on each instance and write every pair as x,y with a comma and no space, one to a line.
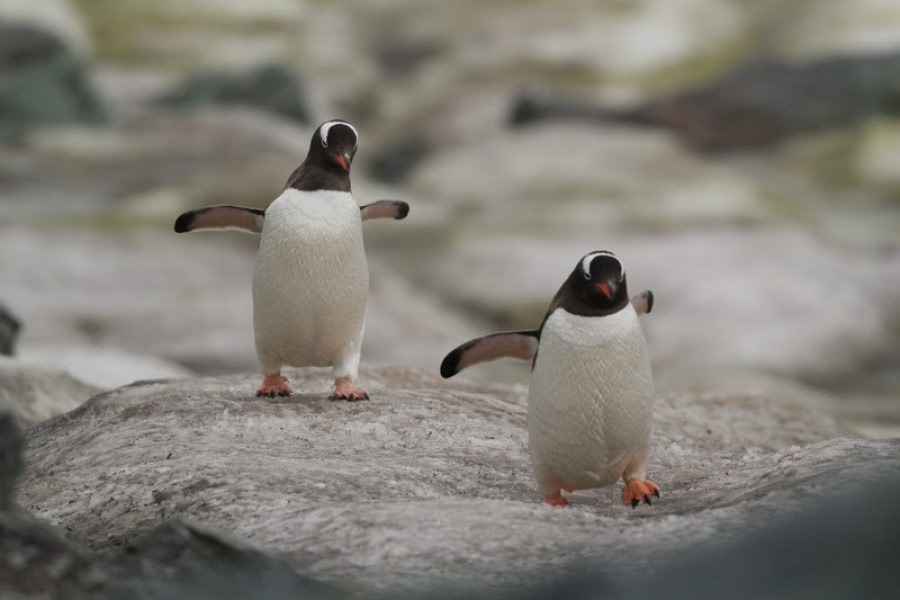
429,484
269,87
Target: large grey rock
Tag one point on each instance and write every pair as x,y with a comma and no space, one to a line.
175,560
429,483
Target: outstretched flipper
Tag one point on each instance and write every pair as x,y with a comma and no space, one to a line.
384,209
643,302
515,344
223,216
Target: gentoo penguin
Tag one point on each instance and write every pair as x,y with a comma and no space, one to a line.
591,393
311,278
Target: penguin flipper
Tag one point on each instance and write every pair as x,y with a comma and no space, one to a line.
515,344
222,216
384,209
643,302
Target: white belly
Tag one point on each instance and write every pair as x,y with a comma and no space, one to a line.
310,280
590,399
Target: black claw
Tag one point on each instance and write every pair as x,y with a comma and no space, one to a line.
647,500
656,493
335,398
635,502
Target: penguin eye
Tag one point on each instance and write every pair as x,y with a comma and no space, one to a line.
587,275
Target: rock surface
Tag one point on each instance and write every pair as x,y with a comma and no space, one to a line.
175,560
427,484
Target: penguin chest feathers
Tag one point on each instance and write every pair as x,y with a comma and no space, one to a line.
590,398
311,279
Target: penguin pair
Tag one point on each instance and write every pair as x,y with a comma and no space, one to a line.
591,392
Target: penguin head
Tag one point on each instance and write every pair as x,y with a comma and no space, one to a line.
334,143
599,280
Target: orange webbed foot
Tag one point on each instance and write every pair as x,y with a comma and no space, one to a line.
556,499
345,390
637,490
273,385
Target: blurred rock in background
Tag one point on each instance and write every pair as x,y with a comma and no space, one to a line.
753,107
43,83
268,87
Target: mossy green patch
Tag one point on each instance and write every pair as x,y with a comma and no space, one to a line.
133,31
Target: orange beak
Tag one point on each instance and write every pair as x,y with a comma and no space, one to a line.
342,161
604,289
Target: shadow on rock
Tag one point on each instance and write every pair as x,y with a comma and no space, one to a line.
9,331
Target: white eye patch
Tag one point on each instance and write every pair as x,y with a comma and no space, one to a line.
588,259
326,127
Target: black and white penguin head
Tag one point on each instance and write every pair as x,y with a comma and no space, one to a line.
599,281
334,145
327,164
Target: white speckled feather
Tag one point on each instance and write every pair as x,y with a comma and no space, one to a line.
310,282
590,400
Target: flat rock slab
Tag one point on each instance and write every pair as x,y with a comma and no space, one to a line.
427,484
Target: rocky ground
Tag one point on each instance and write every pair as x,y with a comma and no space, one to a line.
428,485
